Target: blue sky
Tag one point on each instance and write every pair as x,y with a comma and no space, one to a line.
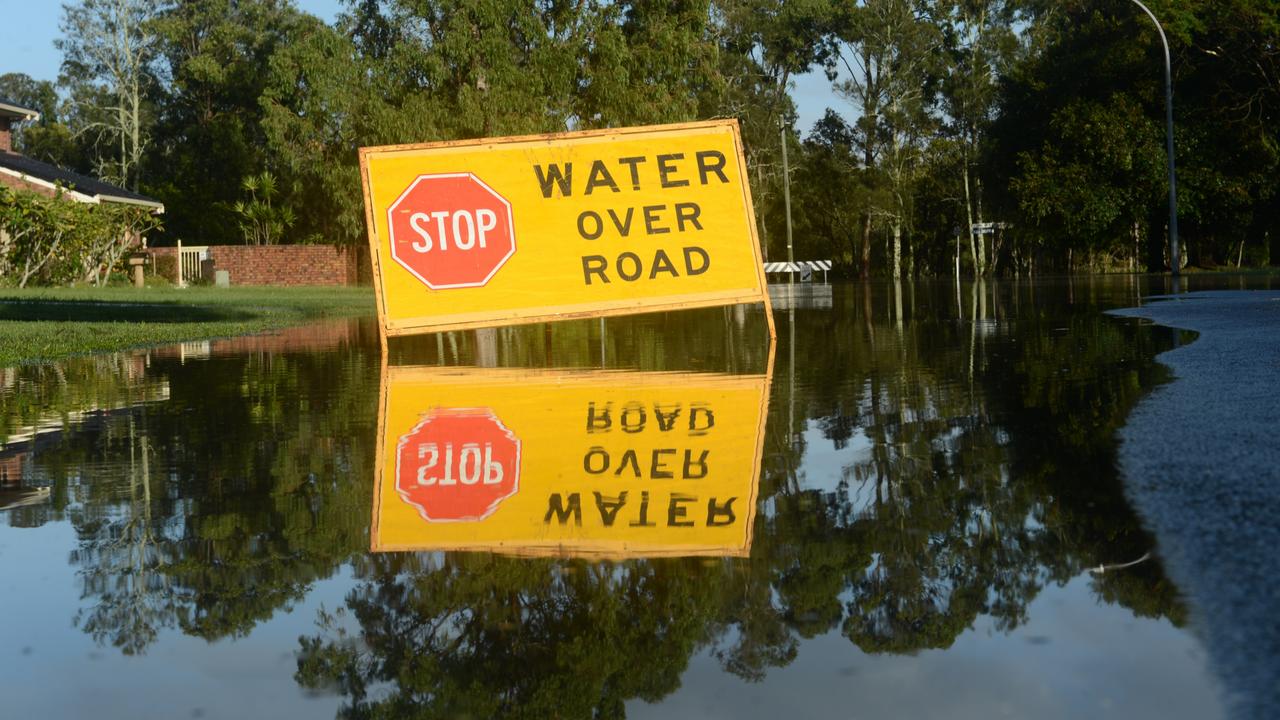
27,35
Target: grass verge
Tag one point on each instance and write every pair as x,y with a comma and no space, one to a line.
49,323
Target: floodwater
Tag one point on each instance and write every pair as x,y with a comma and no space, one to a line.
910,507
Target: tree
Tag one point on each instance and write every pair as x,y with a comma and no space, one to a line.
761,46
48,139
317,106
38,95
1094,67
1077,142
979,40
646,63
1227,117
214,57
828,184
105,46
1098,175
261,220
889,50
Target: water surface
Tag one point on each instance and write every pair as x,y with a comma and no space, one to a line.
186,530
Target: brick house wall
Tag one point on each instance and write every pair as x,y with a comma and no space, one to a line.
282,265
17,183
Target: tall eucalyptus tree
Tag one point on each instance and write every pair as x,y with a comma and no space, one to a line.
890,52
106,47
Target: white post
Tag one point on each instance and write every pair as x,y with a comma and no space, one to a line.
181,283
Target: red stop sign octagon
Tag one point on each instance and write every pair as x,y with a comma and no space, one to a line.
451,230
458,465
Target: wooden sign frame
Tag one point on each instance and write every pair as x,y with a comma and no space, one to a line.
462,321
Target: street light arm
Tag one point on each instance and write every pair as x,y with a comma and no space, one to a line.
1163,40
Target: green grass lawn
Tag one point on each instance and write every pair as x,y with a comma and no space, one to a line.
48,323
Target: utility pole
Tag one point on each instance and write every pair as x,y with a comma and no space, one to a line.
1175,258
786,197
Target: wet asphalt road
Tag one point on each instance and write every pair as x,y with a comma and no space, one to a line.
1201,461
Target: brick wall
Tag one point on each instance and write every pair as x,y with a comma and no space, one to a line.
17,183
283,265
6,135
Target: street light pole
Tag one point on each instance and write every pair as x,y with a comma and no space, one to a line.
786,196
1175,259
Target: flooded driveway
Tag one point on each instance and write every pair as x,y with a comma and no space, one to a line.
910,507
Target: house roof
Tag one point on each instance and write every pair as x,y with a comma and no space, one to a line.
88,189
13,110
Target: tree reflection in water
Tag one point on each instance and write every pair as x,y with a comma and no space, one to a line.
976,466
205,495
986,449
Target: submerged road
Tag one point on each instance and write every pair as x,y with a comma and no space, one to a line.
1201,461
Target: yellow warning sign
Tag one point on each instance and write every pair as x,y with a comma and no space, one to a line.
529,229
568,463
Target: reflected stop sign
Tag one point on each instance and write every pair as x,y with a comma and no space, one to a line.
457,464
451,230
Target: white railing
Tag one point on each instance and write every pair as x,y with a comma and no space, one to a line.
804,267
191,262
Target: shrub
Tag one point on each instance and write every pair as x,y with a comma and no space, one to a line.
54,241
166,267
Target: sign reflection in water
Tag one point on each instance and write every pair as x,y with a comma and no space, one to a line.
568,463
